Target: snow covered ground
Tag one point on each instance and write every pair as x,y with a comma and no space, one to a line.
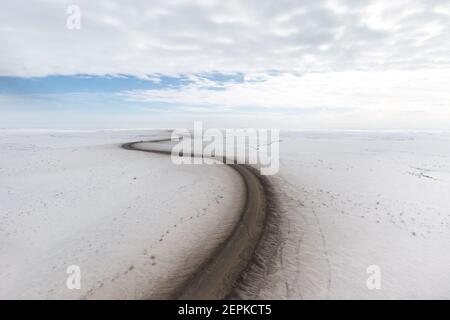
134,222
130,220
352,200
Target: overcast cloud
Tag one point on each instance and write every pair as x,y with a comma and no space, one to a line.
176,36
372,57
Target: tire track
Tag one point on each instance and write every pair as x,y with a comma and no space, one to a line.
238,266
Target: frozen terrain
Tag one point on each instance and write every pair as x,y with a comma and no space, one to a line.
137,225
133,222
352,200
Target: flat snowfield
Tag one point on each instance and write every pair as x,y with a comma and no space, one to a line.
342,205
353,200
136,225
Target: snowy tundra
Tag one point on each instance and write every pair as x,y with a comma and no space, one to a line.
354,205
360,215
132,222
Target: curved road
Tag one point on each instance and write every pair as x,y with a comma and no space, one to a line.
224,270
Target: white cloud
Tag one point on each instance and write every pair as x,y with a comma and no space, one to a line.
396,90
358,63
347,99
172,37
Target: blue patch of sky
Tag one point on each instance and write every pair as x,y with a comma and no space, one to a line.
223,77
99,94
60,84
57,84
82,102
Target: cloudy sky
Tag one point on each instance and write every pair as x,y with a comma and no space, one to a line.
336,64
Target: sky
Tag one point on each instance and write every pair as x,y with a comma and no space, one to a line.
291,64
